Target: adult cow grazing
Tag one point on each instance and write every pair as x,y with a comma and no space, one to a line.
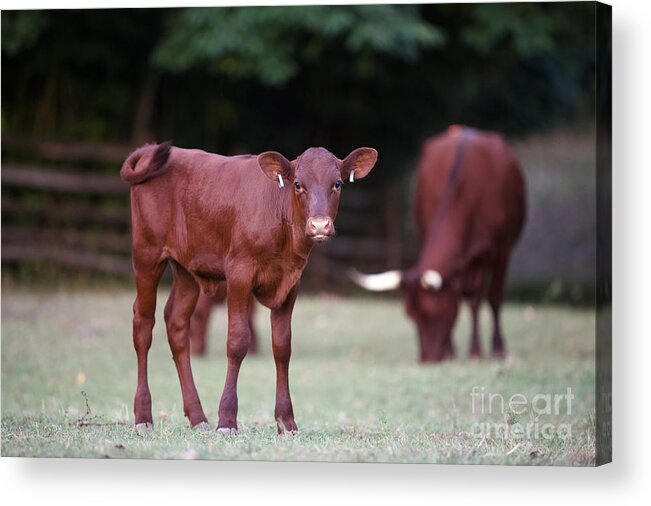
250,221
470,210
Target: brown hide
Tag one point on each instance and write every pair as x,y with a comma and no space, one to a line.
469,210
246,221
200,322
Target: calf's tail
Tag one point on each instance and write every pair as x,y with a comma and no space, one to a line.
134,173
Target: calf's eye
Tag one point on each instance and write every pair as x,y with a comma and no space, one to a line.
338,185
297,186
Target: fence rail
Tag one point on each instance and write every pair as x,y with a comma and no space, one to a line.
40,178
71,151
68,257
65,214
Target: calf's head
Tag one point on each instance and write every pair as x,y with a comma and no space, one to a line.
315,180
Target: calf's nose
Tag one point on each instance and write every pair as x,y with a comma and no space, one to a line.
320,225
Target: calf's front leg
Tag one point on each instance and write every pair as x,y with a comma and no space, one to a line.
237,344
281,332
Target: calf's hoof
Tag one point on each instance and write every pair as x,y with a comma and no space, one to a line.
201,426
227,431
499,354
287,427
144,427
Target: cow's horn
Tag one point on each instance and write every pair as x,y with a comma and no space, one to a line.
431,280
389,280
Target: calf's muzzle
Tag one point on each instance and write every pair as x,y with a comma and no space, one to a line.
319,228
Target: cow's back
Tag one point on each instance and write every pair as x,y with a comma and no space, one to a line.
488,200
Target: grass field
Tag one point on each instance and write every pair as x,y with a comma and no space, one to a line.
68,379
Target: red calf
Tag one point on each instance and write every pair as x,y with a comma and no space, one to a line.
250,221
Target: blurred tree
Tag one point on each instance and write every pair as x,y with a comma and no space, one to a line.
250,79
232,79
271,43
20,30
75,74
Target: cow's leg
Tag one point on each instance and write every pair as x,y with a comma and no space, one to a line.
281,332
475,346
448,351
495,298
178,311
199,324
237,345
253,344
144,309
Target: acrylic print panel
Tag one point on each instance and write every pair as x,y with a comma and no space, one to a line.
426,173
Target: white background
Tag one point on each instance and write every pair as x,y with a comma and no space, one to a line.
627,480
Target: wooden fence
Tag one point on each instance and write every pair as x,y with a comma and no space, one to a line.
71,210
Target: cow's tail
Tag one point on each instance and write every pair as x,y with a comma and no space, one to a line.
133,172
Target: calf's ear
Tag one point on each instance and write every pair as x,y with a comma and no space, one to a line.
360,160
274,164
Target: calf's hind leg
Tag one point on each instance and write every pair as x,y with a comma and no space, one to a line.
144,309
178,311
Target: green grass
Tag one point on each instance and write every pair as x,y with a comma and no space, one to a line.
359,394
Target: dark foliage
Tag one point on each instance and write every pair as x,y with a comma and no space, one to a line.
250,79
